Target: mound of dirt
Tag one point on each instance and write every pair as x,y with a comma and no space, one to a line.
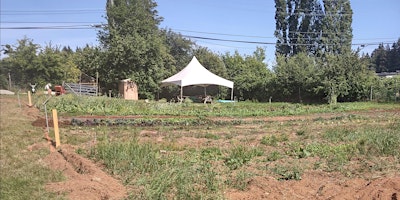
85,180
316,185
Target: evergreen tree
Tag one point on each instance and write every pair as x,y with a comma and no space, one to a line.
298,26
394,57
309,27
336,27
386,59
379,59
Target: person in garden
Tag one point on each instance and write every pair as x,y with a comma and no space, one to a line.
48,88
33,88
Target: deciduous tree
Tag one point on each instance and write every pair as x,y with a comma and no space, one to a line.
134,46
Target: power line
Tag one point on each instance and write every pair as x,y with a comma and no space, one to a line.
61,10
50,12
52,27
226,40
95,26
274,43
99,25
226,34
222,45
47,22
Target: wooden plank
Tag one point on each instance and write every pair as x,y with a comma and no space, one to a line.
29,99
56,130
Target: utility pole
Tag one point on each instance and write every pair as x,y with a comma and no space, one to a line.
370,95
97,84
9,81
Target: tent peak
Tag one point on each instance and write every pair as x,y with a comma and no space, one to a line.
196,74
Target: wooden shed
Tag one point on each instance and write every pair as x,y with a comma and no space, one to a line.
128,89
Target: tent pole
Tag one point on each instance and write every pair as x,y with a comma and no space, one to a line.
232,93
181,92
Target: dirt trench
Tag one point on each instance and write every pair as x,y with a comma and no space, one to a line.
84,179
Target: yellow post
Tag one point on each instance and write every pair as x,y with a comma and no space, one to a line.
30,99
56,130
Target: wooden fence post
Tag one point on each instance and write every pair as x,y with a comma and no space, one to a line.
56,130
30,99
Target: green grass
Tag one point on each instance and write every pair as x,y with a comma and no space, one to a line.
288,172
240,155
184,175
369,139
273,140
23,174
240,180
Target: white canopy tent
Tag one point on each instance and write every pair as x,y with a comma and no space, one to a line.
195,74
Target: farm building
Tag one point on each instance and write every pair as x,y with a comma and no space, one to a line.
128,89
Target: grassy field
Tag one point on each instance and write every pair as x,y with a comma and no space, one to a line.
197,151
22,172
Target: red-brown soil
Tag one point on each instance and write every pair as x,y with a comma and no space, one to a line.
85,180
318,185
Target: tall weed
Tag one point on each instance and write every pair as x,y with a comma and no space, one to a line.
176,175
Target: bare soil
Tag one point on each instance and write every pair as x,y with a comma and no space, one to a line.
319,185
87,180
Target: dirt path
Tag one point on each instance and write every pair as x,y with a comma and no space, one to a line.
85,180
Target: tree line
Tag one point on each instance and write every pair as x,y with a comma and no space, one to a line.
314,59
385,58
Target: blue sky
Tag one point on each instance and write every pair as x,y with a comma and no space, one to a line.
374,22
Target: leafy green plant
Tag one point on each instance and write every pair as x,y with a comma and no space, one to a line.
273,156
300,132
211,136
241,180
76,105
341,134
298,150
211,153
288,172
241,155
273,140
